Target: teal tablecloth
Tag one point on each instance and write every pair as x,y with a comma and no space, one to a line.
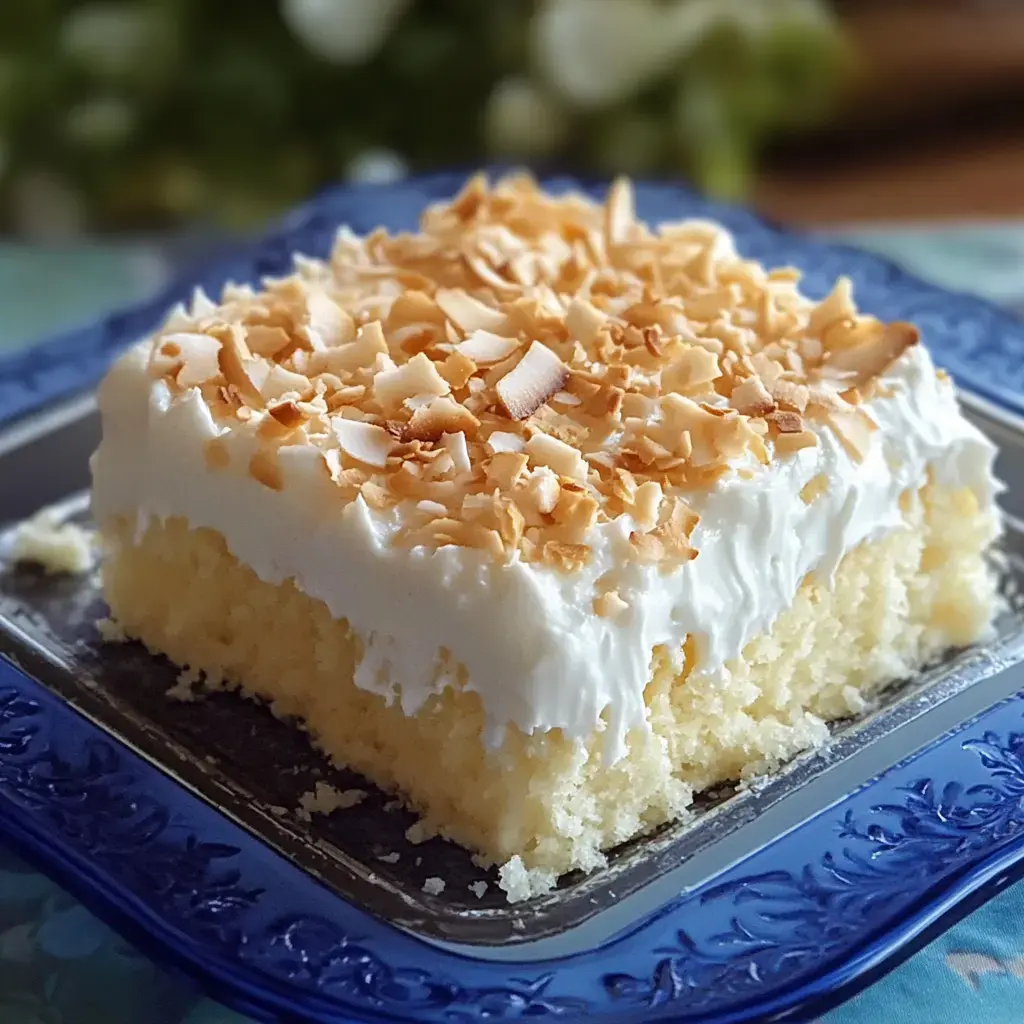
58,965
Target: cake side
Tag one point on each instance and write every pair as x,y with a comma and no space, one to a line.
544,803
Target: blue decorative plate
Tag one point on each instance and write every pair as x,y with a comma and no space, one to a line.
778,901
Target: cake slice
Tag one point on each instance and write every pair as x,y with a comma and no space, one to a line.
542,519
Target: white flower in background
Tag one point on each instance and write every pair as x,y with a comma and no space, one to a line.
760,16
520,120
101,122
342,31
377,167
594,52
597,52
110,39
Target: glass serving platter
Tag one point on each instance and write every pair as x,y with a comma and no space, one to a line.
178,821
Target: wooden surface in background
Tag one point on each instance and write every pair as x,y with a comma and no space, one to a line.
910,145
978,180
924,52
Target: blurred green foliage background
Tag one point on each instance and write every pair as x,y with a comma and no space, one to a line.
129,114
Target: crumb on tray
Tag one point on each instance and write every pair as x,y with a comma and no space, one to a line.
185,688
54,545
110,632
521,883
325,799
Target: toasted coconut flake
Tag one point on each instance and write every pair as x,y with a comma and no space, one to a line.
458,449
345,396
287,414
793,396
467,313
216,453
788,443
434,509
265,340
264,467
584,322
565,398
647,505
419,376
441,416
332,463
233,357
368,346
506,469
837,305
485,348
502,441
854,428
582,386
646,547
543,490
567,557
575,513
752,398
327,324
202,304
280,382
872,357
620,215
814,488
458,370
535,378
786,422
693,371
414,308
565,460
194,356
375,496
466,204
511,523
364,442
610,605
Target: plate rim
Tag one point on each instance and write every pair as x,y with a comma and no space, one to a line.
25,389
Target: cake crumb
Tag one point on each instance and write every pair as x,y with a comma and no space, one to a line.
54,545
111,632
389,858
327,798
185,687
478,889
419,832
521,883
433,886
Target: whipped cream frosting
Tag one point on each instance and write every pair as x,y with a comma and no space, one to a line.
527,635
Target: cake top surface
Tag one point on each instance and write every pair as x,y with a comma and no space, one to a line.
529,366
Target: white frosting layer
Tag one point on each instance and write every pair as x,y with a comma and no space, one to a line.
531,644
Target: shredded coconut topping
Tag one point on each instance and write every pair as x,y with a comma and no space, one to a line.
529,366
